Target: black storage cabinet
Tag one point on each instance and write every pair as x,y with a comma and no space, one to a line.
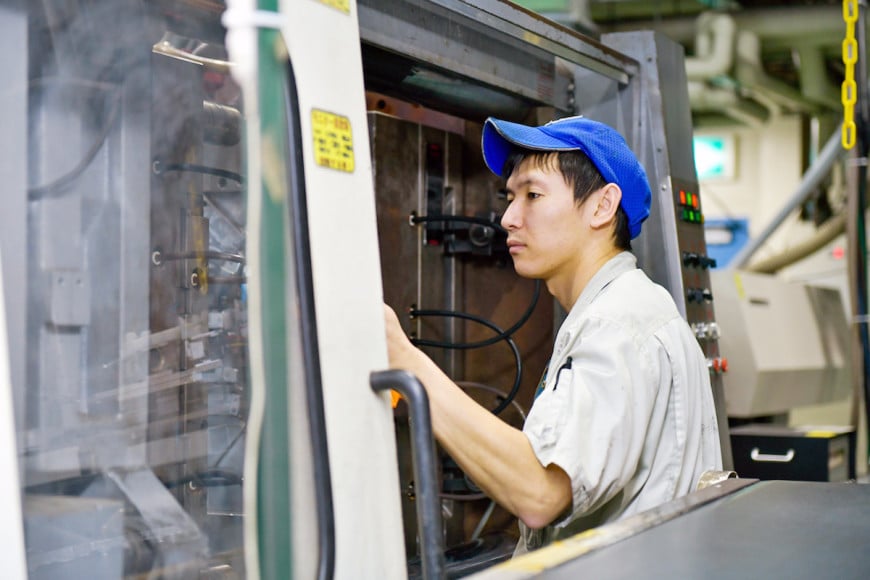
764,451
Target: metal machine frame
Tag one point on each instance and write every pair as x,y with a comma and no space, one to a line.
495,58
311,310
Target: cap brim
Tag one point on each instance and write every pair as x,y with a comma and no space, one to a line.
501,137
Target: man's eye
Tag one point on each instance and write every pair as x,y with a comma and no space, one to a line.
533,195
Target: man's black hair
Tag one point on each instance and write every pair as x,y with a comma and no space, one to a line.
578,172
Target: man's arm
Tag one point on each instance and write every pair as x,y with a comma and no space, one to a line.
497,457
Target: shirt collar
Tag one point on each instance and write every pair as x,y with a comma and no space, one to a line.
613,268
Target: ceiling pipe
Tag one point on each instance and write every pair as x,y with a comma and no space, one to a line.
814,81
811,25
729,77
710,71
714,47
813,176
749,74
824,235
706,98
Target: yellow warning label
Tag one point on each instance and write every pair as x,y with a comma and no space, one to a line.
821,434
738,282
333,141
531,38
343,5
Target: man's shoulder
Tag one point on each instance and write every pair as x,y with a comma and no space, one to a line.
633,290
634,300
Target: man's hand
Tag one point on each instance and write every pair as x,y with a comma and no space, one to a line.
496,456
398,345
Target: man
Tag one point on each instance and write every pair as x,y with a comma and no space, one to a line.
624,419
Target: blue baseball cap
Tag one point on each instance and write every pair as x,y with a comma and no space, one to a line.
606,148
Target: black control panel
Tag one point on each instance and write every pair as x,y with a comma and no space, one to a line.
695,266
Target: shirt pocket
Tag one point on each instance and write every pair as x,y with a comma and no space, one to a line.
549,412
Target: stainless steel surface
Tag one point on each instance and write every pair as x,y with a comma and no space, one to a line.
74,537
13,176
77,314
773,529
490,58
654,117
653,114
130,376
552,560
562,42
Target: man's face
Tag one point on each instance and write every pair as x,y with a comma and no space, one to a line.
546,228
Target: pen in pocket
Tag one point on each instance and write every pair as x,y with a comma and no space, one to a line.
567,365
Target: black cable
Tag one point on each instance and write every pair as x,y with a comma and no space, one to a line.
195,168
494,339
419,219
227,280
513,346
159,257
298,208
58,186
207,478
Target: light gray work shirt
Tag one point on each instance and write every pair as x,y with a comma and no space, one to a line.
631,418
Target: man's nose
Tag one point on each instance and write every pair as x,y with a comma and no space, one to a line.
510,219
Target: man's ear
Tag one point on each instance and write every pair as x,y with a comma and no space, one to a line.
607,202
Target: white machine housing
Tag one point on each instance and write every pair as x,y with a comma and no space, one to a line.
787,344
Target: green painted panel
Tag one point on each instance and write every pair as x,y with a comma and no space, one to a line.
273,505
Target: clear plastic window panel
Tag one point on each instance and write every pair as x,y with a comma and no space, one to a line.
132,416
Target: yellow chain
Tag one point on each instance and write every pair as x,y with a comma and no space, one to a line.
849,90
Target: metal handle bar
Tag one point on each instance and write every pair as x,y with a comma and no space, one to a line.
423,461
769,458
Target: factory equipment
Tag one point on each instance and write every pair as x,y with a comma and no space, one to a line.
126,268
788,346
787,343
429,71
738,528
164,349
191,237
